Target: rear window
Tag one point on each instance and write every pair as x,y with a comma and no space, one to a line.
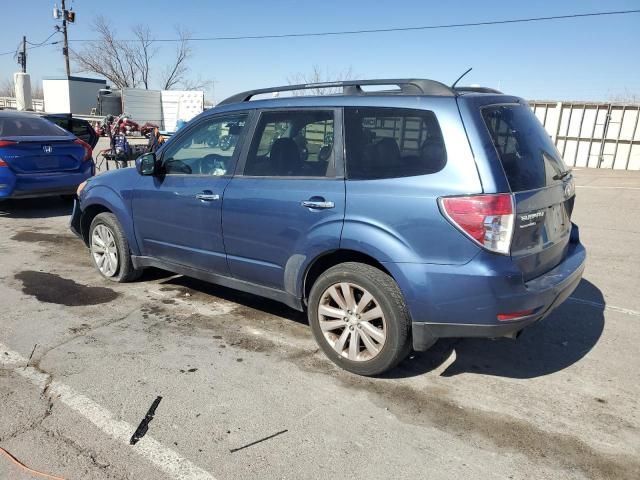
392,142
529,158
29,127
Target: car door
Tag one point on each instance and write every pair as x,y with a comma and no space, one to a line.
177,213
286,203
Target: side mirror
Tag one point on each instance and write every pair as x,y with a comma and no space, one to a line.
146,164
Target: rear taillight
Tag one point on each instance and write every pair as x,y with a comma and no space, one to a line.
5,143
88,151
486,219
505,317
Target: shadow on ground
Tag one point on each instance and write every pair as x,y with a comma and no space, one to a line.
255,302
36,207
551,345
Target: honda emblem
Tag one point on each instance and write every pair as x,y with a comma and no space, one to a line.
47,148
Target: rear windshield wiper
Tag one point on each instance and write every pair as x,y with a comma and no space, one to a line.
561,175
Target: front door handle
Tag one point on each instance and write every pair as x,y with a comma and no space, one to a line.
318,204
207,196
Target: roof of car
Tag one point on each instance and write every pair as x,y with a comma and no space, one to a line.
354,88
15,113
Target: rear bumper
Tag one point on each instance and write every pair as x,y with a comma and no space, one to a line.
465,300
43,184
425,333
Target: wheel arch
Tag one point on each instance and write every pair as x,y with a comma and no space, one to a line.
101,199
329,259
88,214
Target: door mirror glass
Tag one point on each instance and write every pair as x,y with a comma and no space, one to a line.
146,164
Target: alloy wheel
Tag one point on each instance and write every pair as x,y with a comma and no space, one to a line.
352,321
104,250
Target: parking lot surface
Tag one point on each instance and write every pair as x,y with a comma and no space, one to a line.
83,359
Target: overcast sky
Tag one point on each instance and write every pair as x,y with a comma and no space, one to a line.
589,58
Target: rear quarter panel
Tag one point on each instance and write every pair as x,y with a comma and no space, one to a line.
398,219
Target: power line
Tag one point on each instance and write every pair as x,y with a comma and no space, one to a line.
363,31
386,30
44,41
13,52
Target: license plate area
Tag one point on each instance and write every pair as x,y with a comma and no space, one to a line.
47,163
557,221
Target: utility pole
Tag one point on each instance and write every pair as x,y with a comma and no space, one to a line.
24,54
65,48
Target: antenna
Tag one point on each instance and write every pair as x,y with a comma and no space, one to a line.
460,77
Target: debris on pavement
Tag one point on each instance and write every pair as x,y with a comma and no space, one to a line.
142,429
258,441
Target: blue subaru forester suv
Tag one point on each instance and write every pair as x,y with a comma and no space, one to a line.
393,217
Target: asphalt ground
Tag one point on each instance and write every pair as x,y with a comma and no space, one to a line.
82,360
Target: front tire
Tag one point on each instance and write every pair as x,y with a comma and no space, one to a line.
359,319
110,249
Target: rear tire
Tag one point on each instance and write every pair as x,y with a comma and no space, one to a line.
359,318
110,249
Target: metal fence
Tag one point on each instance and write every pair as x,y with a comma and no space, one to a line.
10,102
590,134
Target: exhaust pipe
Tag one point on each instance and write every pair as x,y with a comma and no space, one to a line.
513,335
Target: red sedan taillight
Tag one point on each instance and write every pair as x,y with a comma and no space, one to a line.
5,143
486,219
88,151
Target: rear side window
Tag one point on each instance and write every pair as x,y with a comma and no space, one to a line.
392,142
529,158
29,127
293,144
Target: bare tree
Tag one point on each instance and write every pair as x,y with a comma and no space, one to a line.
108,57
7,88
176,73
37,92
144,52
627,97
317,75
129,63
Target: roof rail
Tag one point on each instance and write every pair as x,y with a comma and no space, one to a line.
354,87
477,90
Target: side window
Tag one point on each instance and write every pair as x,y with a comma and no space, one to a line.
392,142
207,149
292,144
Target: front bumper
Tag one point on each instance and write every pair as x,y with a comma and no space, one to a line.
479,300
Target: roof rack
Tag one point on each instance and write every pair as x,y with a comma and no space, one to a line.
354,87
477,90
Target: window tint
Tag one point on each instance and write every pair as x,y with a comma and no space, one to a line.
529,157
292,144
29,127
207,149
392,142
80,128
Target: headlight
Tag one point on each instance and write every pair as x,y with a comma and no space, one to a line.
81,187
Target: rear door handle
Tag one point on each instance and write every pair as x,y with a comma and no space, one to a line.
321,205
207,196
